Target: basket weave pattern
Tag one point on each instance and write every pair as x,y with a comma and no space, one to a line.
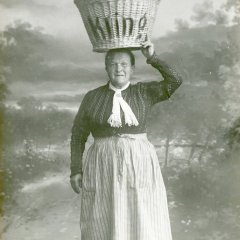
117,23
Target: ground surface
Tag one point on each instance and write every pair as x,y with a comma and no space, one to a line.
45,210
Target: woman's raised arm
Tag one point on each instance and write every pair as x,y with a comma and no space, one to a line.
162,90
172,80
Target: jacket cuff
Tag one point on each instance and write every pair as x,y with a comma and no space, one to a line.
75,171
153,59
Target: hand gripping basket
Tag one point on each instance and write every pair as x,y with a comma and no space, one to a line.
117,23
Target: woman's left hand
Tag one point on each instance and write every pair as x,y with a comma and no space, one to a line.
147,49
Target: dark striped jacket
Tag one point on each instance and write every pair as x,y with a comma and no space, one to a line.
96,108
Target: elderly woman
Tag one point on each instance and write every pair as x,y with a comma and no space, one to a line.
123,193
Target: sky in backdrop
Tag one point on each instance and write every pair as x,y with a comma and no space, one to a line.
61,17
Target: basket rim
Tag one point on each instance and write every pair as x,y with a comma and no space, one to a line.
94,1
105,49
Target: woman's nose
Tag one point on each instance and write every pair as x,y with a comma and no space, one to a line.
118,67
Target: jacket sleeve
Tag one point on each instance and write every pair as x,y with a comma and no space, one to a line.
159,91
80,133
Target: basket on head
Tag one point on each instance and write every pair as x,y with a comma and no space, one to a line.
117,23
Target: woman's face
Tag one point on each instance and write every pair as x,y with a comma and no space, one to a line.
119,69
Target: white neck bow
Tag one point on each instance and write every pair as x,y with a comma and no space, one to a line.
118,103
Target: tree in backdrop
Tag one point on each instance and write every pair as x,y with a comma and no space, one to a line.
34,122
30,55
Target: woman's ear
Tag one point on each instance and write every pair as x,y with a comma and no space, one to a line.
132,68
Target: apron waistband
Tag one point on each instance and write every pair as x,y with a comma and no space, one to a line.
125,135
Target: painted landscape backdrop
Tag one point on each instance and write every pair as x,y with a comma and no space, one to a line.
196,133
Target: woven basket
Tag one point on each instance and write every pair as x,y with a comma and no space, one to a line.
117,23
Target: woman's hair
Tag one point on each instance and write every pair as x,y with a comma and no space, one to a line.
120,50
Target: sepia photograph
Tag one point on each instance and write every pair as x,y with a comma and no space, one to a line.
119,120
